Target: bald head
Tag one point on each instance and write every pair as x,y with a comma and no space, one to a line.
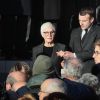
53,85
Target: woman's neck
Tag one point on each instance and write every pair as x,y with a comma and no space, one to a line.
49,44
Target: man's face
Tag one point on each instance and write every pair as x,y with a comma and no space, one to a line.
96,54
48,35
42,93
85,21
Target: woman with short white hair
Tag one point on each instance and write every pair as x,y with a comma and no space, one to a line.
49,47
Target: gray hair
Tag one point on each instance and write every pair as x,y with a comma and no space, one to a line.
19,65
47,25
89,79
92,81
73,67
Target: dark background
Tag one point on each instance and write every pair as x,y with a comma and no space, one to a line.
20,22
21,17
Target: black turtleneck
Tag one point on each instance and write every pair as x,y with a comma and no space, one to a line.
48,51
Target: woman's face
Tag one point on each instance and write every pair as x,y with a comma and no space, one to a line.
96,54
48,35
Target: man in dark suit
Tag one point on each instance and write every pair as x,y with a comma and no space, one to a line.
72,71
82,39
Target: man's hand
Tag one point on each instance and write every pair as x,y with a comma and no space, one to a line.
68,54
60,53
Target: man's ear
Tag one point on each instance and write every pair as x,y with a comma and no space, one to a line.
92,19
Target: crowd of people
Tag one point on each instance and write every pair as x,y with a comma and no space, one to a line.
60,72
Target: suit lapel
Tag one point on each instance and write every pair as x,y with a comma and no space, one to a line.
83,41
87,37
54,51
79,38
40,49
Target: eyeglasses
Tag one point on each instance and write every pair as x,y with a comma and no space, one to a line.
52,32
96,52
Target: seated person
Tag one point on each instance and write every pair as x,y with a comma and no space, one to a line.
14,77
18,90
96,56
21,66
42,69
20,72
52,85
49,46
91,80
77,91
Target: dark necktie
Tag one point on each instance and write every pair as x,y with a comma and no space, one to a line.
83,38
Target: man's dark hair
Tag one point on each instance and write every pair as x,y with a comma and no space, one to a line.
87,10
57,96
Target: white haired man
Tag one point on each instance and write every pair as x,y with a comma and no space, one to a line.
72,72
72,69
